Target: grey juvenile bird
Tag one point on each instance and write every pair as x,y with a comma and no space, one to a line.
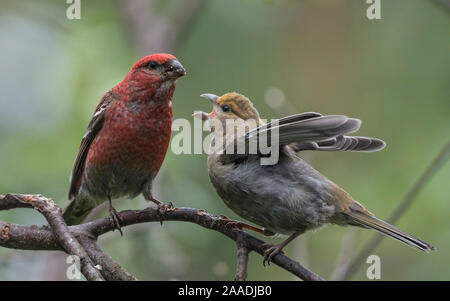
289,197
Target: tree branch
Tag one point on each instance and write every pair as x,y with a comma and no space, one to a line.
41,238
53,215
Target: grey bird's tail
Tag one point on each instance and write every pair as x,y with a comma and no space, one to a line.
77,211
389,230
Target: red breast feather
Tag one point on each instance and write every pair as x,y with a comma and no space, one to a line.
129,150
133,139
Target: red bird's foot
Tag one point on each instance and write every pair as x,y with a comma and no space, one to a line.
115,219
271,251
163,208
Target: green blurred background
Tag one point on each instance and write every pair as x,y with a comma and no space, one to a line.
288,57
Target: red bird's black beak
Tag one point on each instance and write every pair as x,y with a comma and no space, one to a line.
173,69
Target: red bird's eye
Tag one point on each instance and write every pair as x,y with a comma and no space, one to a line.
152,65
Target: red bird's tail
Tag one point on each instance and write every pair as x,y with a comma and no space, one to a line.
77,211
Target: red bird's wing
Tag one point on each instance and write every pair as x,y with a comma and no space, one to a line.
93,129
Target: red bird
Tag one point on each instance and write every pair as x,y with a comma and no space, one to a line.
127,139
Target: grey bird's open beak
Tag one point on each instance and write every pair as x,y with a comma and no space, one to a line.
213,98
205,116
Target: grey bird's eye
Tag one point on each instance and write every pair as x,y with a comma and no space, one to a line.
152,65
226,108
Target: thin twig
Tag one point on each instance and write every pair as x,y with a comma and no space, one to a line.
109,268
242,259
404,205
345,255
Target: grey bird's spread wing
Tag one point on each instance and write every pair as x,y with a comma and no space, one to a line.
312,131
301,128
342,143
94,127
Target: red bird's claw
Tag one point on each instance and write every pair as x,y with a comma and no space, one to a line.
115,220
270,252
163,209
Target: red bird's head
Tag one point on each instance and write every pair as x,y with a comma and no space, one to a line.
150,72
160,65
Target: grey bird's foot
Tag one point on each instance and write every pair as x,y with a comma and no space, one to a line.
267,232
229,223
115,219
271,251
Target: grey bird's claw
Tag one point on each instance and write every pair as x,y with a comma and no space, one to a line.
229,223
270,252
267,232
234,224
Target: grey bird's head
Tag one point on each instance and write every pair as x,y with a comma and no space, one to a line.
230,106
